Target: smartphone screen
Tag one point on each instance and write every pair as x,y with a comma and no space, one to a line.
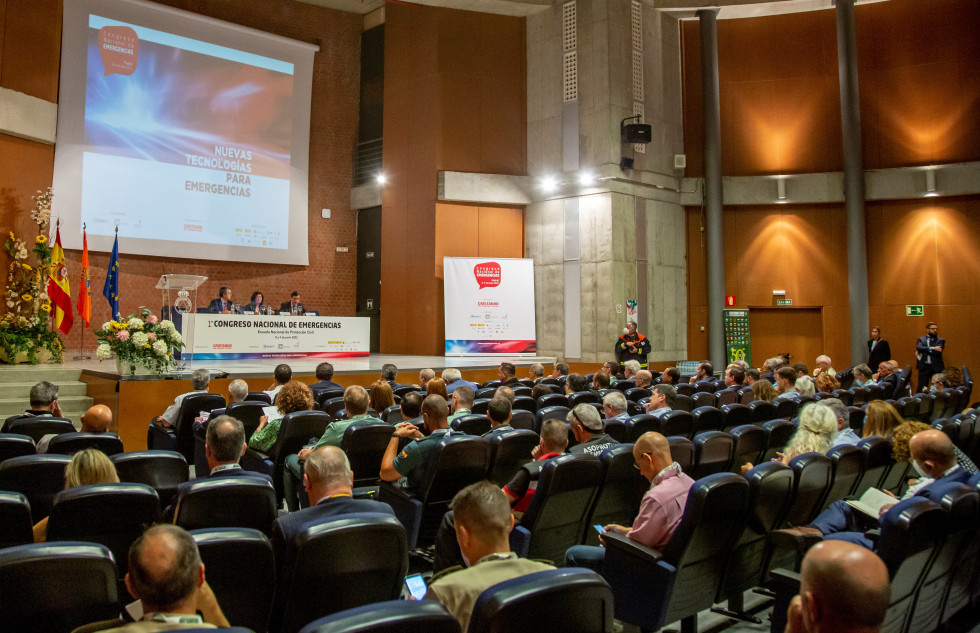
416,586
599,529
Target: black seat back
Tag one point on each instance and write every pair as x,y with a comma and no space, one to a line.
258,396
812,474
786,408
736,415
570,600
355,560
391,616
163,471
71,443
508,452
248,413
704,399
749,444
552,400
677,423
190,408
637,393
113,515
682,450
712,453
557,514
473,424
855,419
640,424
319,397
581,397
233,502
877,462
15,520
551,413
682,402
36,428
223,551
843,395
707,418
57,586
727,396
778,433
848,466
364,443
620,490
37,477
761,411
458,461
522,419
295,431
525,403
333,406
16,445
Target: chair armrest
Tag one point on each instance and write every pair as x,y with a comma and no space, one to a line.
873,535
619,542
785,578
520,541
785,584
257,461
407,509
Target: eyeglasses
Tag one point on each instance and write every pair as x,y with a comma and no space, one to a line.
637,466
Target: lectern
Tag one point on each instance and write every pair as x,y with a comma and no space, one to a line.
177,291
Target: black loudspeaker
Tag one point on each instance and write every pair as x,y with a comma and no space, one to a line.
625,163
637,133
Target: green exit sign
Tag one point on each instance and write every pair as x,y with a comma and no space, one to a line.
784,302
914,311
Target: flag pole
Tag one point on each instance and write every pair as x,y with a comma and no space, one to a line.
81,335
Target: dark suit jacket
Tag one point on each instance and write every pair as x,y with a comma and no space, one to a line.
287,306
286,528
324,385
880,354
922,347
960,476
889,383
215,306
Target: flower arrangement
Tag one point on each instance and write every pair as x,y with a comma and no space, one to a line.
140,339
24,329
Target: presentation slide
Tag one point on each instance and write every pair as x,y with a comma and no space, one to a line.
489,305
188,136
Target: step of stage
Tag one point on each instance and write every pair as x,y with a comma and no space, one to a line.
16,382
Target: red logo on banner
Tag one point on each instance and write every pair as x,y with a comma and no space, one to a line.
118,46
487,275
730,300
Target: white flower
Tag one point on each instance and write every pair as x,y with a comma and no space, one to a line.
107,326
140,339
10,303
160,348
135,324
167,326
103,352
175,337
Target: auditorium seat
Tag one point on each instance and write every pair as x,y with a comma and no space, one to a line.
844,396
855,419
812,476
258,396
365,442
845,378
621,488
15,520
232,502
71,443
748,445
685,389
37,477
343,563
36,428
640,424
940,404
637,393
471,424
556,517
180,437
707,418
683,403
786,408
616,429
682,450
508,452
551,413
552,400
333,406
704,399
480,405
319,397
735,415
297,429
745,395
16,445
907,407
896,481
653,588
677,423
712,453
490,384
392,414
727,395
761,411
526,403
778,434
581,397
57,586
113,515
163,471
859,396
458,461
402,391
964,581
522,391
876,392
848,466
877,463
571,600
391,616
226,554
521,419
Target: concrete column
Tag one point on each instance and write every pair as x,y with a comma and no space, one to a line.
850,108
712,184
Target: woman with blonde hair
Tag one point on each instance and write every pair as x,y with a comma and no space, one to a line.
880,419
804,386
827,383
87,467
381,396
763,390
814,434
294,396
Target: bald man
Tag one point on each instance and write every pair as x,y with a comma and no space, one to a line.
844,588
933,458
97,419
660,510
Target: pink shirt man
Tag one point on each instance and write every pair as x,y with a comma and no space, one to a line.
661,508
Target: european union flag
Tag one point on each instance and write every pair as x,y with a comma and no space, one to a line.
111,288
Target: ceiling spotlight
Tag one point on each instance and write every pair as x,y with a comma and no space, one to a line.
549,183
780,190
381,179
586,179
931,184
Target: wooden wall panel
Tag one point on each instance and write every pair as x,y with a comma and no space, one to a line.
31,47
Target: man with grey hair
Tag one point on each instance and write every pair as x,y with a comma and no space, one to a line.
615,407
44,404
862,376
454,380
661,400
237,392
329,482
199,383
844,433
535,372
504,391
167,576
631,368
823,366
425,376
588,429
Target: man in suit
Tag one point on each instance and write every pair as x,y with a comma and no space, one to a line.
294,305
507,375
389,372
888,378
929,355
933,457
223,304
324,376
329,481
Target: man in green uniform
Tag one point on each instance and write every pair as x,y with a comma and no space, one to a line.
413,461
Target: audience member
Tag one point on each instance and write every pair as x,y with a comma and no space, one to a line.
541,389
324,376
454,380
44,404
786,383
671,376
661,400
880,419
438,387
559,370
801,369
843,589
804,386
643,379
600,381
823,366
614,406
862,376
425,376
612,369
938,382
845,435
97,419
904,433
505,392
282,374
167,576
461,403
507,375
411,408
630,369
734,376
500,411
237,392
632,346
954,375
763,390
575,383
356,406
588,430
520,489
535,372
482,523
88,466
294,396
380,396
660,510
388,373
888,378
751,376
704,375
815,434
827,383
199,384
224,446
413,462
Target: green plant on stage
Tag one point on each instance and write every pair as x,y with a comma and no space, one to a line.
141,339
24,329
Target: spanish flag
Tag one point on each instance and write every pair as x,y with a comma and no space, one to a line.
85,285
59,291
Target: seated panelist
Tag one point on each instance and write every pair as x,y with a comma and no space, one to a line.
294,305
223,304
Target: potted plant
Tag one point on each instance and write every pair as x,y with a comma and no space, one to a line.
141,343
